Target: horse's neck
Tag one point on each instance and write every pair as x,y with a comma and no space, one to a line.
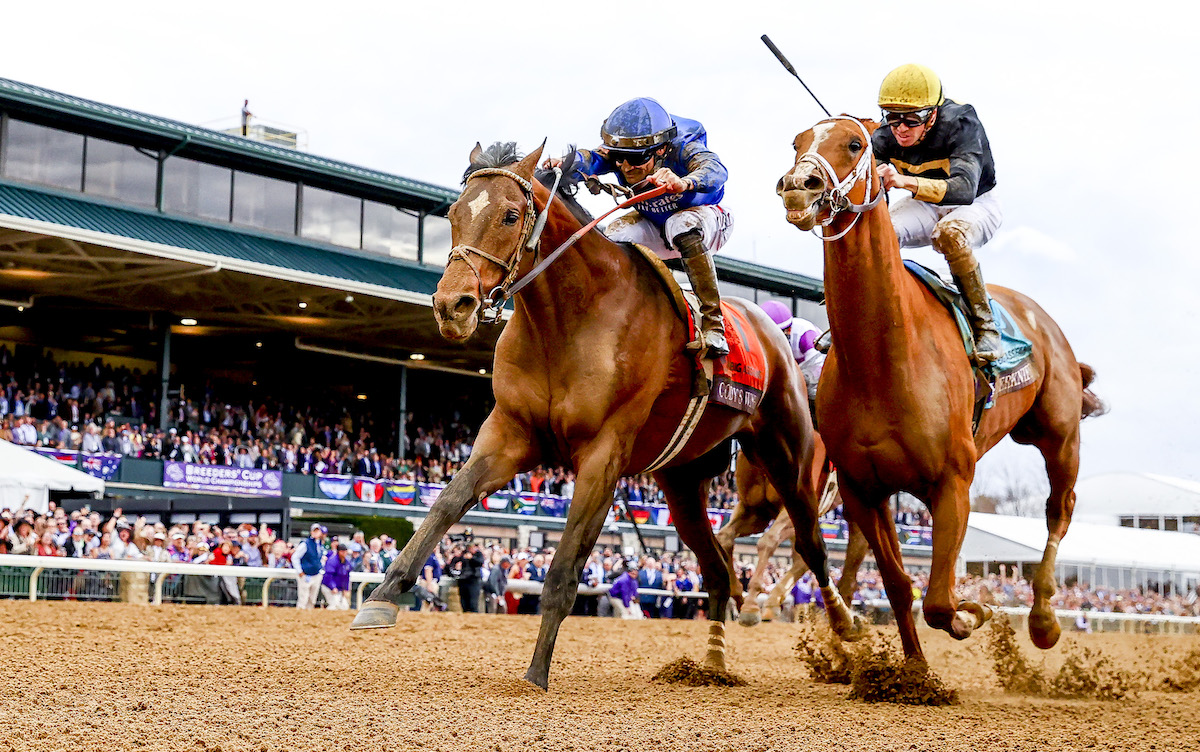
868,296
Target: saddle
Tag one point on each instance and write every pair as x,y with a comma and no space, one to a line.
1012,371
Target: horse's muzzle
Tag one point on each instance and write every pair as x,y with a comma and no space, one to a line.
456,314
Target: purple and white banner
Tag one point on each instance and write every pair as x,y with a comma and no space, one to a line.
222,479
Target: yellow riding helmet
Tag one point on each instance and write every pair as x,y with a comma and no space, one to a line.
910,87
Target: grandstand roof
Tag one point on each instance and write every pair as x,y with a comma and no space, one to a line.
1109,496
52,107
995,537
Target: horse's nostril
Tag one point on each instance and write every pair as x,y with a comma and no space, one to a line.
814,183
465,304
780,187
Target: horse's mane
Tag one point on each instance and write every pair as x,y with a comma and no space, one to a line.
503,154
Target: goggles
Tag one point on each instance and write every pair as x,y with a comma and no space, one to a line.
908,119
633,158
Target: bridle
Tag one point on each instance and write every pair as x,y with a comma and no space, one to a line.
836,196
531,233
532,224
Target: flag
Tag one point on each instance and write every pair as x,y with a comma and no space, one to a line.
525,503
429,493
65,456
401,492
495,503
555,506
639,513
367,489
334,486
103,466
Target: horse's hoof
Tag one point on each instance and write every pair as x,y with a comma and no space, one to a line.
541,682
749,618
853,631
1044,629
769,613
973,614
376,615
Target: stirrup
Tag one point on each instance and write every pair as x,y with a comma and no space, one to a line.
989,354
710,343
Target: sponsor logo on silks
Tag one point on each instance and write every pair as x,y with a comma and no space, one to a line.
401,493
367,489
495,503
334,486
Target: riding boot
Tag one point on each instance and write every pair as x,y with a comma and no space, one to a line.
987,339
950,240
702,273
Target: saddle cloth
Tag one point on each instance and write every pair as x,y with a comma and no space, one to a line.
737,379
1013,370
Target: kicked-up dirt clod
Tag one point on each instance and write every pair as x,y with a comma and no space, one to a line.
687,672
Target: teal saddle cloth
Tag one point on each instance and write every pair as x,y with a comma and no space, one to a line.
1017,348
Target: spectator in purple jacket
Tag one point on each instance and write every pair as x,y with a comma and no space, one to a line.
335,585
624,592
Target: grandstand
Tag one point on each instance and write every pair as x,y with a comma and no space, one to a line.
206,271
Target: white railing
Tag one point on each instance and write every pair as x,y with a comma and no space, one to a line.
39,564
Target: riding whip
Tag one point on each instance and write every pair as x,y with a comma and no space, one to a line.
784,61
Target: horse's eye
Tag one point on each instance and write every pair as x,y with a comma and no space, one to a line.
855,146
511,217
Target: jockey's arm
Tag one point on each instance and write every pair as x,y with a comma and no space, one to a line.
705,171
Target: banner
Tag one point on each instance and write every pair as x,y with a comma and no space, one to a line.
222,479
65,456
496,503
102,466
401,492
367,489
334,486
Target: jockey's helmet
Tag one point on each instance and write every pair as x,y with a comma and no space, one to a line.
910,87
779,313
638,124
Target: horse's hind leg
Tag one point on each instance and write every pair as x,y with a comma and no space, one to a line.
781,528
686,491
856,551
1062,467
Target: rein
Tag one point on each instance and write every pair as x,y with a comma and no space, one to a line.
837,196
531,233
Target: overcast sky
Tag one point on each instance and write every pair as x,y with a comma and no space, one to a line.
1086,108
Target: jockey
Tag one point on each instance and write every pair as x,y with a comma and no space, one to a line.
646,146
803,335
937,149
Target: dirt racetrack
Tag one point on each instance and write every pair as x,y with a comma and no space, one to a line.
199,679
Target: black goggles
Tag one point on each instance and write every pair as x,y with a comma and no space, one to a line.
908,119
633,158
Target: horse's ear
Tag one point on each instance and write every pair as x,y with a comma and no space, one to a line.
476,153
526,166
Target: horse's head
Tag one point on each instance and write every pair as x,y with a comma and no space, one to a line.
490,224
814,191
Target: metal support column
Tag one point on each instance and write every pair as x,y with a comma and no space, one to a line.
165,373
403,427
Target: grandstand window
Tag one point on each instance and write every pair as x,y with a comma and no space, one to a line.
1128,522
43,155
333,217
1171,523
121,172
389,230
436,246
263,202
197,189
1191,524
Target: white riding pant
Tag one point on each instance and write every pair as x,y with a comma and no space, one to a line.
338,601
914,222
308,588
715,225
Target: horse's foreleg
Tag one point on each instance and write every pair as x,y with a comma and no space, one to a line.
781,589
500,451
873,519
943,610
856,551
1062,466
600,466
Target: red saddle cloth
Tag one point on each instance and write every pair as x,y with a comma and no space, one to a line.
738,377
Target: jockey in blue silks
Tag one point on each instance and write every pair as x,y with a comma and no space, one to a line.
645,146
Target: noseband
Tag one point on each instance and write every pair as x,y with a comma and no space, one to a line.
532,224
836,197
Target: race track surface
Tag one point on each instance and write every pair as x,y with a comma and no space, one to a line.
199,679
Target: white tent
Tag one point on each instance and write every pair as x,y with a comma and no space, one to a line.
27,478
994,537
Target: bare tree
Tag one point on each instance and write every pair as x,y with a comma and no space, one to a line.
1011,490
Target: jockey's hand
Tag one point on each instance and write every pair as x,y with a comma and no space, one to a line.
893,179
551,163
673,182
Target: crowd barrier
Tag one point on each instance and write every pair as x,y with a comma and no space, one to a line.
21,576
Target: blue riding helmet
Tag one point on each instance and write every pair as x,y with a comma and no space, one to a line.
638,124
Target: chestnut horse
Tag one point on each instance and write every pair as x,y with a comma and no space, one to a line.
896,395
591,373
760,505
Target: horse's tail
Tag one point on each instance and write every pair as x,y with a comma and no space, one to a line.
1093,406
